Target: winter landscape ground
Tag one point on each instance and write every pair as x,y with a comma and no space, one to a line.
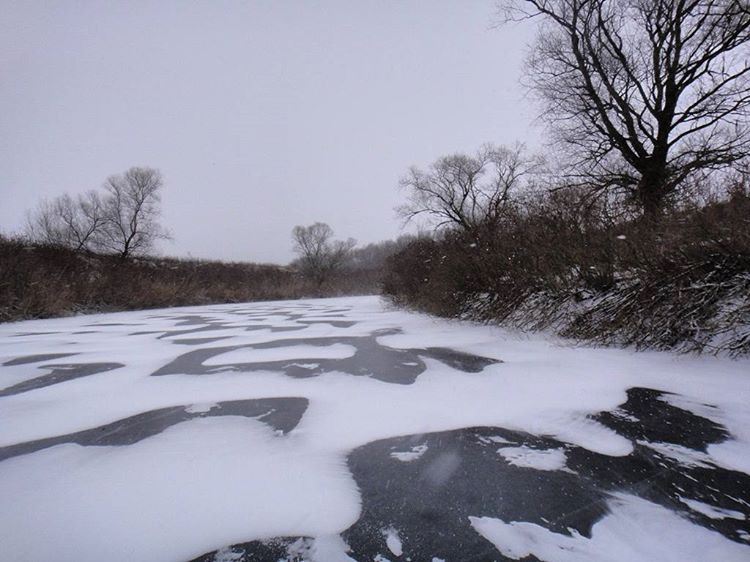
340,429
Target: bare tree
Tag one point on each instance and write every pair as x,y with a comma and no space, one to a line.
319,255
42,224
468,192
67,221
644,93
132,208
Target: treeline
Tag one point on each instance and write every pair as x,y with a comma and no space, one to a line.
93,253
557,260
122,218
46,280
635,228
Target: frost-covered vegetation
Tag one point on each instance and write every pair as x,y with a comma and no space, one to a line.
559,261
634,227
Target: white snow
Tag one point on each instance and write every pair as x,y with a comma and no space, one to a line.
201,408
226,554
683,455
309,366
411,455
712,511
525,457
393,541
494,439
198,484
328,548
634,530
210,482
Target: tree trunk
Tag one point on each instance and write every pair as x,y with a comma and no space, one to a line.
651,190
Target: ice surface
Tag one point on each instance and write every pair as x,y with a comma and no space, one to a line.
292,352
210,482
634,530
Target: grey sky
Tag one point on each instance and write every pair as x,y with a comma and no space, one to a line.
261,114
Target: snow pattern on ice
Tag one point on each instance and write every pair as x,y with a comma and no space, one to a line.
275,431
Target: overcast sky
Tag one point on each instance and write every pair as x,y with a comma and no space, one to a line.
260,114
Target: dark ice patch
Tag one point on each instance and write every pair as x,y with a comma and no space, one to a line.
60,373
199,341
459,360
428,500
38,358
282,414
659,421
371,358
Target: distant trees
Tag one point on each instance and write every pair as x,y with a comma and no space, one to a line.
467,192
374,256
124,220
132,210
67,221
644,93
319,255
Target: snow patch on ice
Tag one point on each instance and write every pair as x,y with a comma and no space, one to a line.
633,530
413,454
525,457
309,366
228,554
393,541
683,455
201,408
487,440
182,504
328,548
712,511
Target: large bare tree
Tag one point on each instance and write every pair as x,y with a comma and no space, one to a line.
644,93
467,192
319,255
132,208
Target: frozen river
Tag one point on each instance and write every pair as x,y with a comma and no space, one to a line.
341,429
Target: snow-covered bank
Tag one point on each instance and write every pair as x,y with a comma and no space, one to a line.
209,482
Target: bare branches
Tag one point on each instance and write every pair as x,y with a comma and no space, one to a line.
663,86
66,221
466,191
132,210
125,221
319,255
